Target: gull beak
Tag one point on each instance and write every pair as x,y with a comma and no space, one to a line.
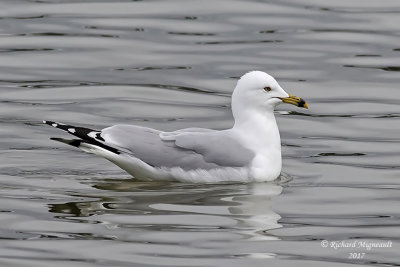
294,100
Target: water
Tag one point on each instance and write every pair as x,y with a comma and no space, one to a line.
173,64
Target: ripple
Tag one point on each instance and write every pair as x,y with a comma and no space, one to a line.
18,50
385,68
51,34
155,68
238,42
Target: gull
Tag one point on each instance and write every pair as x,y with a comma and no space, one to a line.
250,151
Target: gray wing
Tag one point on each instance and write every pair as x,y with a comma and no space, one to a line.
206,149
217,147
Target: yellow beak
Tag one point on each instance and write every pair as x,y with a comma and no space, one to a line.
294,100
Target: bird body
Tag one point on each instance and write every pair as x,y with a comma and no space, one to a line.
249,151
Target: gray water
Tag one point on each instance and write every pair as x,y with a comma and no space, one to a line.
173,64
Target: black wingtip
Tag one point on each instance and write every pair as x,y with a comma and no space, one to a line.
53,123
87,135
81,132
71,142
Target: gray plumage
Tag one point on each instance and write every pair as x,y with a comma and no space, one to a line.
188,149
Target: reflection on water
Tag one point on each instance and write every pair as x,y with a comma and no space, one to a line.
213,223
173,64
244,207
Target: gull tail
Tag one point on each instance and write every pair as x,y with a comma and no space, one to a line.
89,139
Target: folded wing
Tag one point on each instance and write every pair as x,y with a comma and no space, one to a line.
188,148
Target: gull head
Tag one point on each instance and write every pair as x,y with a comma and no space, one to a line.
260,90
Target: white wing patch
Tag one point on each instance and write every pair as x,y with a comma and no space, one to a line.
93,134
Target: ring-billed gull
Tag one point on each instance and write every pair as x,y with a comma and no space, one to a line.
249,151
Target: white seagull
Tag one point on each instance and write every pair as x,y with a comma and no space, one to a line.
249,151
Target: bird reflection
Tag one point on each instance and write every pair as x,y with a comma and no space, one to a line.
254,214
244,209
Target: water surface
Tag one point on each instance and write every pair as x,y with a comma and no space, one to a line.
173,64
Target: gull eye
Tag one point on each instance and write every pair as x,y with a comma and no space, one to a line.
267,89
